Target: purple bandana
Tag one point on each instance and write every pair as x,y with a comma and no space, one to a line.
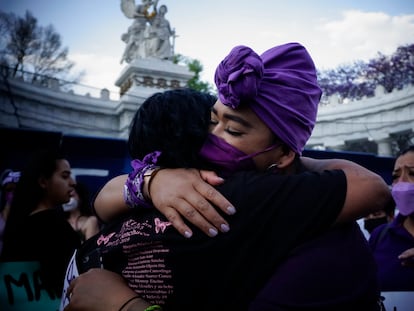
280,86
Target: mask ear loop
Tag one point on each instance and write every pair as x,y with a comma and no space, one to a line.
259,152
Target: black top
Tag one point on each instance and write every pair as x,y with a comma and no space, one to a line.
274,214
46,237
334,271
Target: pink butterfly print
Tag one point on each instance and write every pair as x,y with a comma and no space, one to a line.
104,239
161,225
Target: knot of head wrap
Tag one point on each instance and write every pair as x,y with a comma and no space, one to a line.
280,86
239,76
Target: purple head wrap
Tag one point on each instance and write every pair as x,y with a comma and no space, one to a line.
280,86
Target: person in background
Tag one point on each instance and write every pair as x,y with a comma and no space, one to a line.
9,179
79,213
393,244
381,217
36,229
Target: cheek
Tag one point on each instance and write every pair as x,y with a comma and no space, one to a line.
61,187
243,143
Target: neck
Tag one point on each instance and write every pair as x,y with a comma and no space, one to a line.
41,207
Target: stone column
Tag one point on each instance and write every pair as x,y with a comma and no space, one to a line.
384,147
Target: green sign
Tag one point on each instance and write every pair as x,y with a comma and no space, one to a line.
21,288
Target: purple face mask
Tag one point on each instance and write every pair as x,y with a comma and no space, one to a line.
403,194
227,158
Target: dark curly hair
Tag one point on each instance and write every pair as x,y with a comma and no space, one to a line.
174,122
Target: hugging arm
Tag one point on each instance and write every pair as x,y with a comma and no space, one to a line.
366,191
186,194
110,200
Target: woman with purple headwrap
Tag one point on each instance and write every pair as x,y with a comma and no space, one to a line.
265,114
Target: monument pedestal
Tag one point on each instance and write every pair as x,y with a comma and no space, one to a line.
142,78
152,75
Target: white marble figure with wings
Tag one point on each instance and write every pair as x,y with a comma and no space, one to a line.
135,37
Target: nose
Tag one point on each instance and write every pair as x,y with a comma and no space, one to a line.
217,130
404,177
72,181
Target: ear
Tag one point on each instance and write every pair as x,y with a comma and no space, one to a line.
286,159
42,182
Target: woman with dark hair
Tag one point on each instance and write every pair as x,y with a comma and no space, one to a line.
36,229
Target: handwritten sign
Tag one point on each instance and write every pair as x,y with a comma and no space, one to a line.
21,288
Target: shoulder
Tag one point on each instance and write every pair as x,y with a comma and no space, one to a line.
269,180
303,189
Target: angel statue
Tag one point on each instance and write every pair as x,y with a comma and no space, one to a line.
160,32
149,35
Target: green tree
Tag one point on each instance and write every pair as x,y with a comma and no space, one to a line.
196,67
33,52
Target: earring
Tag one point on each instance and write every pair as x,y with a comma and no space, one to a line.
272,166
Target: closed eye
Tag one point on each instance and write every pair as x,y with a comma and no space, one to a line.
233,133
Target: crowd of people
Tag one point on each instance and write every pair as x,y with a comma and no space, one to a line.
220,210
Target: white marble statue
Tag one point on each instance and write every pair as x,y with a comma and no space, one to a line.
150,34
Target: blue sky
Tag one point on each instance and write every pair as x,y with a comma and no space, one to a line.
334,31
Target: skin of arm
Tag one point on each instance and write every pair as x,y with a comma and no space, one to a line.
90,291
110,200
202,195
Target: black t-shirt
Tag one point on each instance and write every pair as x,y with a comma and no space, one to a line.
274,214
46,237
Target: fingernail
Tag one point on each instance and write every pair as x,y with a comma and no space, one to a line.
212,232
231,210
225,227
188,234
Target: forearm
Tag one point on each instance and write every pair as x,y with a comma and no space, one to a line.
110,200
100,289
320,165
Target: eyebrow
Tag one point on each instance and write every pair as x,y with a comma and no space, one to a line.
234,118
399,168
